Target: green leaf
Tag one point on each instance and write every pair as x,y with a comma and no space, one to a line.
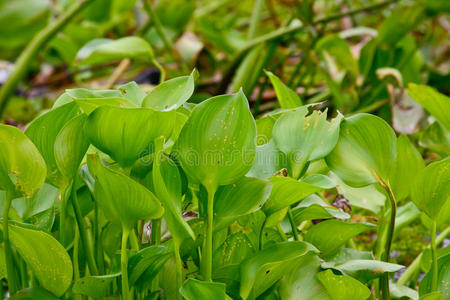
47,258
95,286
124,133
286,97
170,94
268,160
22,168
245,196
432,296
437,104
400,291
436,138
33,293
120,197
132,92
443,279
365,152
43,132
194,289
341,287
145,265
287,191
431,191
89,100
264,128
105,50
233,251
70,147
330,235
365,270
314,208
407,165
304,138
302,283
261,271
217,144
41,201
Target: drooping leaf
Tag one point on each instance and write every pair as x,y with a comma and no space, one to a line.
217,144
431,191
341,287
70,146
330,235
170,94
287,191
194,289
47,258
22,168
365,152
95,286
260,271
124,133
286,97
407,165
437,104
304,138
43,132
105,50
120,197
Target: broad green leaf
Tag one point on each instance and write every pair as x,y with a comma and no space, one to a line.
233,251
95,286
400,291
132,92
145,265
436,138
431,191
365,151
437,104
287,191
302,283
105,50
89,100
70,146
268,160
341,287
22,168
264,128
170,94
304,138
314,208
244,196
217,144
43,132
120,197
124,133
407,165
33,293
443,278
330,235
286,97
432,296
194,289
365,270
267,266
41,201
47,258
166,183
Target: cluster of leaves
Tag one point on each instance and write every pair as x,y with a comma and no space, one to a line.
123,157
163,193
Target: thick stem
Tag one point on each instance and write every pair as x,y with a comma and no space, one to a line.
22,63
10,270
206,264
156,232
124,264
293,226
63,214
434,282
179,266
87,245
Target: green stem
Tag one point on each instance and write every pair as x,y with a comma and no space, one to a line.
261,234
434,282
10,270
179,266
206,264
281,232
156,232
63,214
97,242
22,63
414,266
293,226
124,265
88,250
167,42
